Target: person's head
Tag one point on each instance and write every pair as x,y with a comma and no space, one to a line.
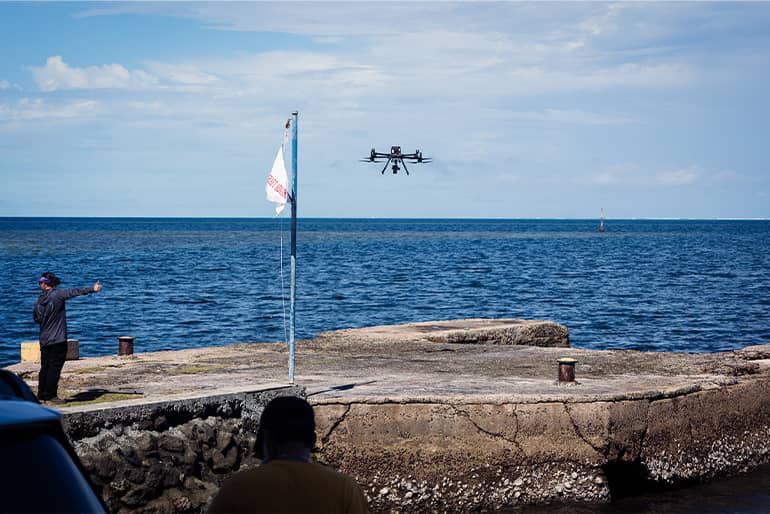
286,427
48,280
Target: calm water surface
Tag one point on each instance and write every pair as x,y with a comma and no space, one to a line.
693,286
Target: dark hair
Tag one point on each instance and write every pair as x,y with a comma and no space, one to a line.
289,419
52,280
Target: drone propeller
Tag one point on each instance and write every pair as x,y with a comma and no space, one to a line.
396,159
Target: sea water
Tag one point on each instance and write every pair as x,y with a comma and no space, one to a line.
654,285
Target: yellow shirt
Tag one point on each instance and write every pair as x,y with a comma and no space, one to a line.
289,486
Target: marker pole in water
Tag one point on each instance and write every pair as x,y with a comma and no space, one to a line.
294,116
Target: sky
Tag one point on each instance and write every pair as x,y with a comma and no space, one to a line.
529,110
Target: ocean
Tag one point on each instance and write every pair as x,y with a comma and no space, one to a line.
654,285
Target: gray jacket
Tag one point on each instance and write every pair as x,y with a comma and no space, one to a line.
51,315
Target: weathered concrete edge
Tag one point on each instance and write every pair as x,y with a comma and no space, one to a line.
502,399
466,453
183,397
245,403
440,455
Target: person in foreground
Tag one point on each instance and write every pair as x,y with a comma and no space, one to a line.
50,314
287,481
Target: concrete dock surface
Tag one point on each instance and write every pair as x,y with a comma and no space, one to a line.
468,415
403,363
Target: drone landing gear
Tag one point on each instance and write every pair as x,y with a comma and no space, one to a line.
395,159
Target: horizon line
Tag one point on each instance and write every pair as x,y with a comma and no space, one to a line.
636,218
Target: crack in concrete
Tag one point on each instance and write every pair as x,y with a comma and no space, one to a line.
337,423
643,439
493,434
582,437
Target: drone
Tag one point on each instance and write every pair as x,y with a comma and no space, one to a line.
396,157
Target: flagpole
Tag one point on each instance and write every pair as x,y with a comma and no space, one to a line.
294,116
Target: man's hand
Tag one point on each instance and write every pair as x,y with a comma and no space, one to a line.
97,287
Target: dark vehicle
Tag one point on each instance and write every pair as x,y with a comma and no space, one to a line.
39,470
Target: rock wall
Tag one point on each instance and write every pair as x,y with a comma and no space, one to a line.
168,457
429,456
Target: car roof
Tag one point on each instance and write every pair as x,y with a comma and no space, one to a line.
20,414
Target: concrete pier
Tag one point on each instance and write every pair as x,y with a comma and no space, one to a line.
460,415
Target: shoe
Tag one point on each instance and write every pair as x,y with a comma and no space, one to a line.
54,401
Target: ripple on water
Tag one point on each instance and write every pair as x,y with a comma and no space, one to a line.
649,285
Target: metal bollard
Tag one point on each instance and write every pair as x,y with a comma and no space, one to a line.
125,345
567,369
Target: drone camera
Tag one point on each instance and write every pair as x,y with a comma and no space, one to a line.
396,160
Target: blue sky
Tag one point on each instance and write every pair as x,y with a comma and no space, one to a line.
530,110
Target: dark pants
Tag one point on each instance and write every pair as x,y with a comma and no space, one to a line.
52,357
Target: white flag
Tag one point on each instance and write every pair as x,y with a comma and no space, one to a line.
277,187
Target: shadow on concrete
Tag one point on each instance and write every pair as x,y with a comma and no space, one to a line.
94,394
345,387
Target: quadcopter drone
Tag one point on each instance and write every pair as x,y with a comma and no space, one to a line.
396,157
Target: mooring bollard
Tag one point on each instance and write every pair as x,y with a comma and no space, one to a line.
567,369
125,345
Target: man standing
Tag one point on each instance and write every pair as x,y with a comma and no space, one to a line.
50,314
287,480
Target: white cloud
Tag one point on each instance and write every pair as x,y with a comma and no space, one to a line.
728,175
154,108
57,75
183,74
35,109
314,77
572,116
498,48
413,51
508,178
633,174
4,84
603,178
681,177
547,79
603,22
